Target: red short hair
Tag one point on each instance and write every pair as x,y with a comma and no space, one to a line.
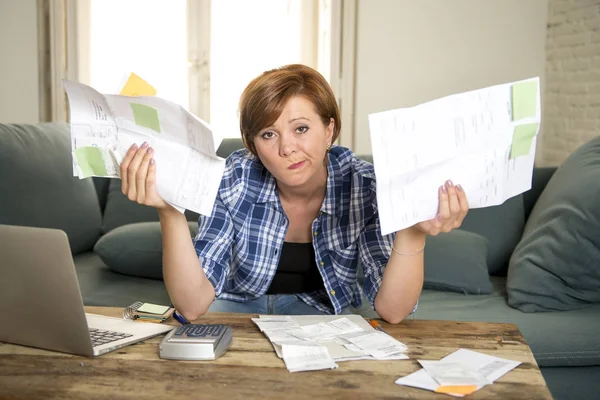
265,97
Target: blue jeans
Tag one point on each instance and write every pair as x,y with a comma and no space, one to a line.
282,304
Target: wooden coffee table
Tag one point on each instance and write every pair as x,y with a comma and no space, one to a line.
251,369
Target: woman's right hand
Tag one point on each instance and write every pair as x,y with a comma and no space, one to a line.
138,177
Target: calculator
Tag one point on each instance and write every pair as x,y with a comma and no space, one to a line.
196,342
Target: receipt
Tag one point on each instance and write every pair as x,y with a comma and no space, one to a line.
306,357
483,140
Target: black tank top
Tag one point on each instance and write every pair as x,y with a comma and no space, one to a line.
297,270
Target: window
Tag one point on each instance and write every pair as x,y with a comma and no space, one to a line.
147,37
197,53
247,38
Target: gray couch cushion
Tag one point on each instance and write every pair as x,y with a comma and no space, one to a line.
556,265
502,226
567,383
228,146
100,286
456,261
135,249
558,338
121,211
38,187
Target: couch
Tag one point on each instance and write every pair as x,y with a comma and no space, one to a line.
469,272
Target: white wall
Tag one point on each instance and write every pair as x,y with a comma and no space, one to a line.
19,87
412,51
572,100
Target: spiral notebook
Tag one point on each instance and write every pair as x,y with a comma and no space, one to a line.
147,312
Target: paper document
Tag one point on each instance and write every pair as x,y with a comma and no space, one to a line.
378,344
290,336
482,369
104,126
344,338
483,140
270,324
306,358
448,373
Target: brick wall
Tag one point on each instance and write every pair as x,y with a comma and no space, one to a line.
571,110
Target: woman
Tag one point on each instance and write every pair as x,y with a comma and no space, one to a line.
293,216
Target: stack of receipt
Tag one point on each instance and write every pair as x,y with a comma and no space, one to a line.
308,343
458,374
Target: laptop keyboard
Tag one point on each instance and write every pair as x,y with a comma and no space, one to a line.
101,336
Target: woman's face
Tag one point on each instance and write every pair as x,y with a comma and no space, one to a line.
293,149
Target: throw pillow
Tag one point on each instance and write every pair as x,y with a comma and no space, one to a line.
457,262
38,187
555,266
135,249
121,211
502,226
228,146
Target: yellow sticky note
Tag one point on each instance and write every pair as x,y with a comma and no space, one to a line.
462,390
522,137
136,86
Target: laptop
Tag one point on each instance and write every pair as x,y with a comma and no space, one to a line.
40,299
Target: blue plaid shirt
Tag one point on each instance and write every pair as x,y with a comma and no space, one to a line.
239,245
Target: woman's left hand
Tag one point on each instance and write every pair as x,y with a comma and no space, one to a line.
451,213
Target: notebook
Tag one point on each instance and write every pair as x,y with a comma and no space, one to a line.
40,299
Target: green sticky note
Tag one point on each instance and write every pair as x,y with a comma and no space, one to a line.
145,116
524,99
153,308
90,161
522,137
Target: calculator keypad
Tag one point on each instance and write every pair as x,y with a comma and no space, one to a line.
200,330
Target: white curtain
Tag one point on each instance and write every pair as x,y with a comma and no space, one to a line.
58,54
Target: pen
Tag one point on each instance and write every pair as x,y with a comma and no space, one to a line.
376,325
179,317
